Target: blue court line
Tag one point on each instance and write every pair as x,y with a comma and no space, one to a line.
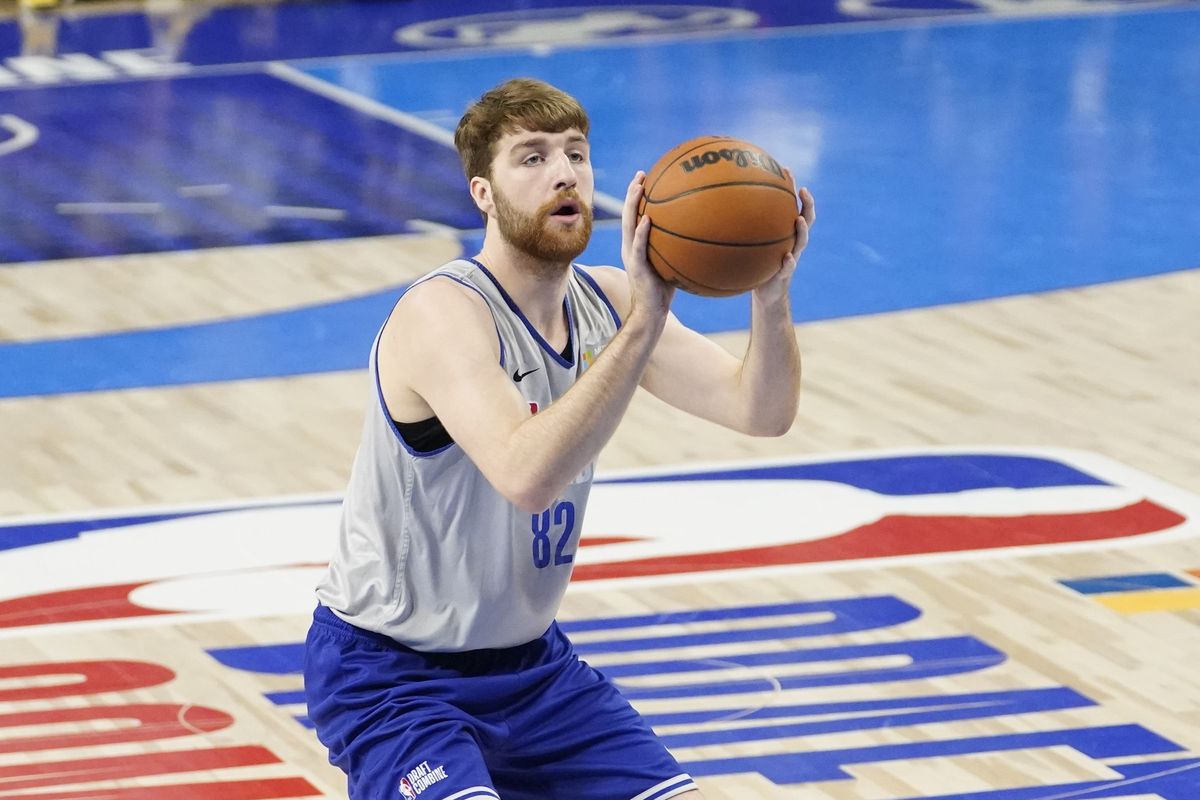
325,338
912,475
1126,583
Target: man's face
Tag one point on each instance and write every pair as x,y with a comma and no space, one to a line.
542,186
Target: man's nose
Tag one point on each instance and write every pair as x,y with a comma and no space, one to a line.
564,173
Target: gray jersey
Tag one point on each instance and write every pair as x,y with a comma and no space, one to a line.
430,554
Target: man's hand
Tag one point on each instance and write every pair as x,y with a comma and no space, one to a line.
650,294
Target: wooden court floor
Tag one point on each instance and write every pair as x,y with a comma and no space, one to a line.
1108,369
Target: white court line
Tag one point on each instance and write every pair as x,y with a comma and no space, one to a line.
24,134
108,208
437,228
205,190
304,212
400,119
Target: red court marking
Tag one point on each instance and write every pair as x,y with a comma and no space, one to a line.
910,535
95,677
269,789
73,605
154,721
592,541
57,773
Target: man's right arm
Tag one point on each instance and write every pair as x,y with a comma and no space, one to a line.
444,340
440,346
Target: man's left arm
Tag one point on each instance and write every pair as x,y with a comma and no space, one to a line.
758,394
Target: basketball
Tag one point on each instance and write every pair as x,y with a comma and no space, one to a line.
722,215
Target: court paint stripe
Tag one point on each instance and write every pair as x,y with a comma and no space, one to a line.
84,208
1144,602
1110,584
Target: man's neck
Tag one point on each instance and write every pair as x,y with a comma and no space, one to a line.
537,287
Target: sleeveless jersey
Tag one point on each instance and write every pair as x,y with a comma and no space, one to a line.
429,553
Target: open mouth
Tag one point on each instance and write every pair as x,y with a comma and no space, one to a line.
568,209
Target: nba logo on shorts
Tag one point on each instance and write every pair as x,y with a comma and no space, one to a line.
421,778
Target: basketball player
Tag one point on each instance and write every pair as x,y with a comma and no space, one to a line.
434,667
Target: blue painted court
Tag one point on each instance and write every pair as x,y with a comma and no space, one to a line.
954,156
214,155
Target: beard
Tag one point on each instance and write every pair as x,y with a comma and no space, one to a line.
545,243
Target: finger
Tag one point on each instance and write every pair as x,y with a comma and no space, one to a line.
787,269
789,265
808,206
633,196
801,237
641,236
634,246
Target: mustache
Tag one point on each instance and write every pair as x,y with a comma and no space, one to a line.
549,207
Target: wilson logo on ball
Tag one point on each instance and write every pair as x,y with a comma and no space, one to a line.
743,158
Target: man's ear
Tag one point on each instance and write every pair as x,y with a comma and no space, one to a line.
481,193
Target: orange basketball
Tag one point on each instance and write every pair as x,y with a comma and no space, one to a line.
722,216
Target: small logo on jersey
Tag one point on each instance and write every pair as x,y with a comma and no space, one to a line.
533,408
588,355
518,375
420,779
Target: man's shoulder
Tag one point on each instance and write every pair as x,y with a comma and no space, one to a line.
458,271
441,303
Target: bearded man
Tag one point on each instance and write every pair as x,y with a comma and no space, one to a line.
434,666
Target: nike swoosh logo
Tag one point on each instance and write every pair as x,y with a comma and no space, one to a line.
518,375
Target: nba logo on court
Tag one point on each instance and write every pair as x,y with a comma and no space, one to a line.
897,505
264,558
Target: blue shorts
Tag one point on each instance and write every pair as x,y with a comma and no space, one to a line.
531,722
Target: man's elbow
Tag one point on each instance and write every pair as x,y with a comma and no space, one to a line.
518,479
771,428
528,495
772,425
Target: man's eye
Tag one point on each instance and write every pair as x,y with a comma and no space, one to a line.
533,159
578,158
